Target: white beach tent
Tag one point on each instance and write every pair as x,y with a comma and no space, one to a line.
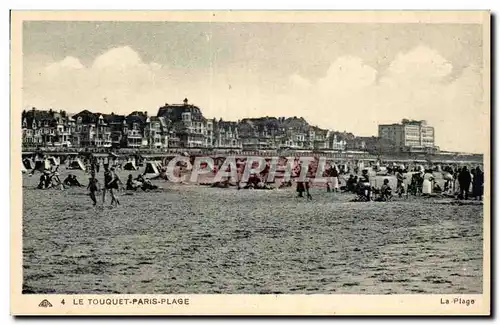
152,169
42,165
130,165
76,164
28,163
53,161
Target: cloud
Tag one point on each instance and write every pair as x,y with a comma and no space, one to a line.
117,80
347,73
350,95
419,64
417,84
299,82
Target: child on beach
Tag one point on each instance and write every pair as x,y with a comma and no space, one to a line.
93,187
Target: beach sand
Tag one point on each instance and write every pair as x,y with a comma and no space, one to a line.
197,239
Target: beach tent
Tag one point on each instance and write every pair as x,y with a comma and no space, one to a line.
76,164
28,163
382,171
53,161
152,169
42,165
130,165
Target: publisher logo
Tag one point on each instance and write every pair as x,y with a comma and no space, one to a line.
45,304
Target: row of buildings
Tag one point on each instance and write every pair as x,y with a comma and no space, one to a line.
184,126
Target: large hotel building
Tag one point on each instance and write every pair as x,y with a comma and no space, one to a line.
409,136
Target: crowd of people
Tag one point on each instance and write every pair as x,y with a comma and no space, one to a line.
461,183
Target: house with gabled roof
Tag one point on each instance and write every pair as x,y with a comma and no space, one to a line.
91,130
227,135
190,124
44,128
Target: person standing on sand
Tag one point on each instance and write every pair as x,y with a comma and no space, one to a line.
335,179
464,180
93,187
478,183
113,185
329,178
300,188
400,182
108,177
307,184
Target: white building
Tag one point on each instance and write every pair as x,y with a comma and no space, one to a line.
409,136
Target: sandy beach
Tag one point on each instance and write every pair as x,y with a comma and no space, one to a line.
197,239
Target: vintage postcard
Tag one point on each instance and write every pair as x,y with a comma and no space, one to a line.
250,163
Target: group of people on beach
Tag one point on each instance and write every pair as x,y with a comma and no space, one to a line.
421,183
111,185
461,183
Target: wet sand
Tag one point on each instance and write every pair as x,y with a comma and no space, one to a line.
196,239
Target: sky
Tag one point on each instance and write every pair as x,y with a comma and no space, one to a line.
344,77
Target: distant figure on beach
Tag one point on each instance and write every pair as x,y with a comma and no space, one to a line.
478,183
111,182
93,187
464,180
303,187
131,184
50,179
364,186
71,180
308,186
335,179
427,183
351,184
300,188
400,182
328,174
44,180
385,191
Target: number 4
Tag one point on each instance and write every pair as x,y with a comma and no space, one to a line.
62,302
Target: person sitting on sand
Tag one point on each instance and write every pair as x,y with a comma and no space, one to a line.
385,191
356,184
44,181
131,185
147,185
140,178
416,183
67,180
350,184
54,179
71,180
364,186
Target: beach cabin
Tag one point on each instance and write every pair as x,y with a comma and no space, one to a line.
76,164
130,165
152,170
